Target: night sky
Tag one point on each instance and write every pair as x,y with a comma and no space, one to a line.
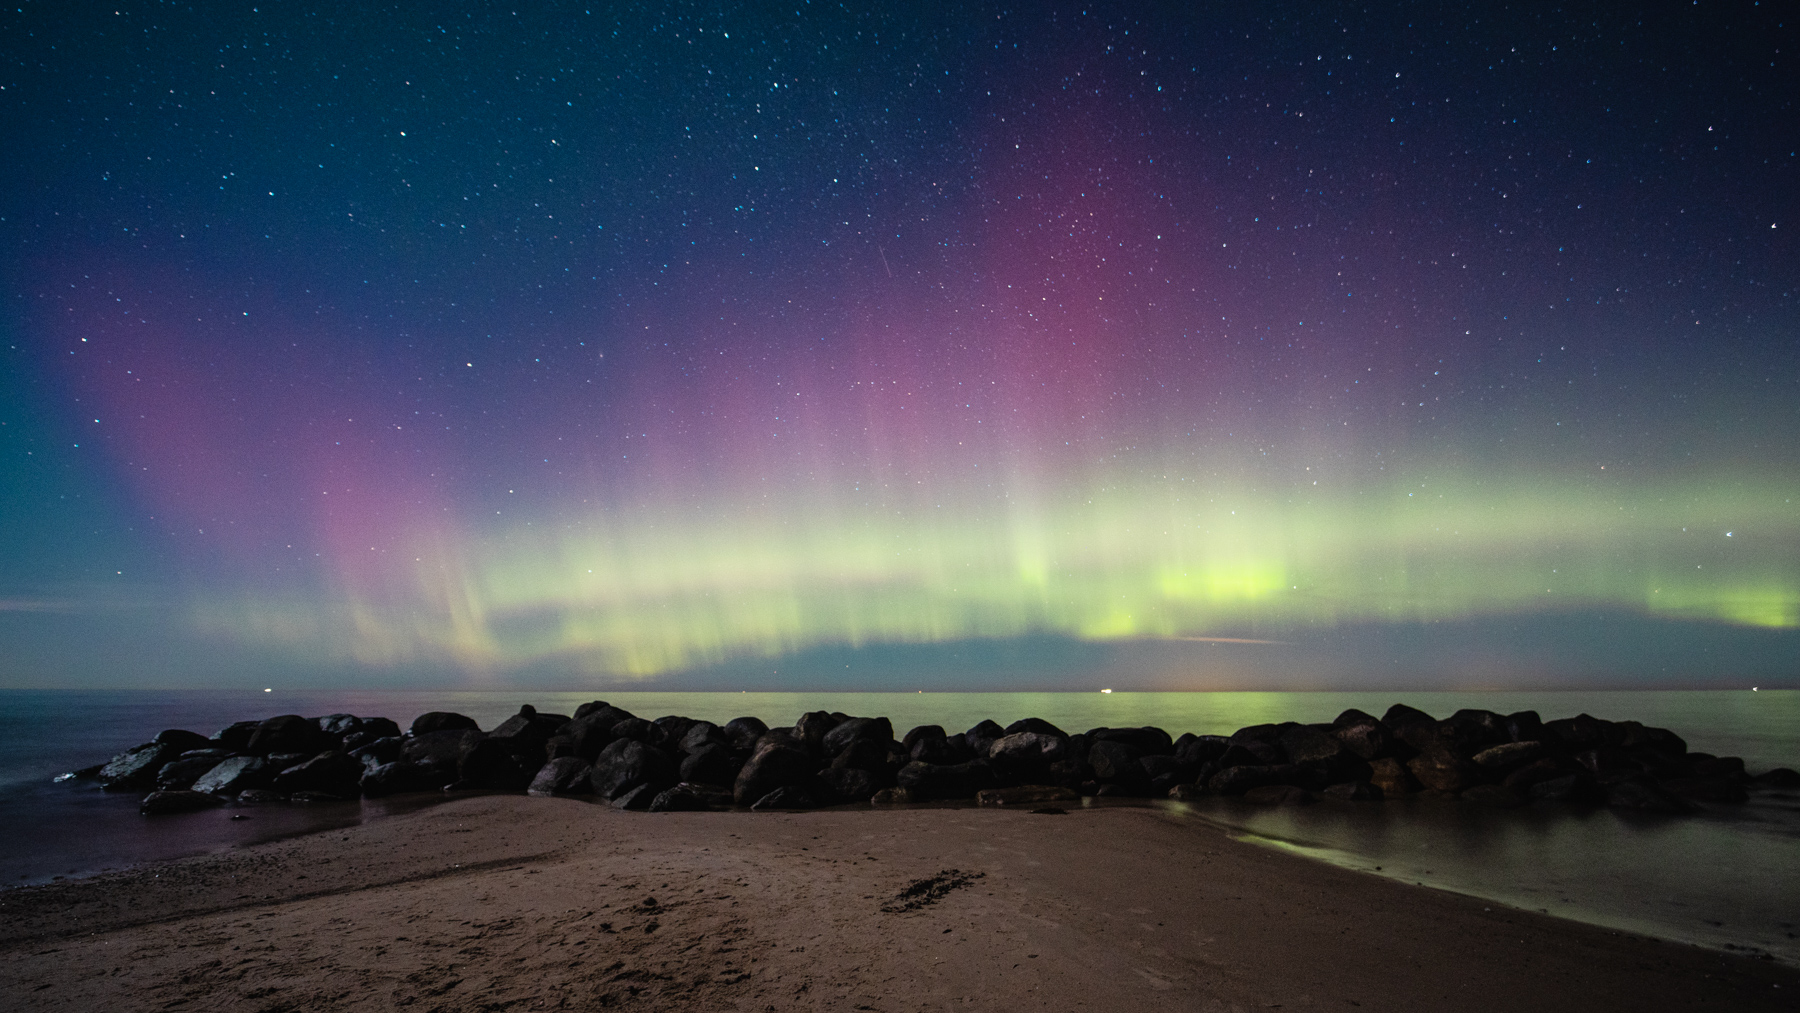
708,346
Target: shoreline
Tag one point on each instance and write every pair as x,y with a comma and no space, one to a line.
500,898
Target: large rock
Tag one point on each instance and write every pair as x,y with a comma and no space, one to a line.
1304,744
1251,752
443,750
1148,739
775,764
235,736
703,733
1201,749
491,763
160,803
744,732
1578,787
639,730
1440,770
1392,777
180,773
1496,761
1027,751
863,754
981,737
792,796
846,784
685,797
712,763
443,721
235,774
1578,733
628,764
1362,735
1116,761
565,775
403,776
375,753
1468,732
1038,725
337,726
525,733
1026,794
812,728
839,738
285,733
136,769
1524,726
1411,726
945,781
921,733
330,773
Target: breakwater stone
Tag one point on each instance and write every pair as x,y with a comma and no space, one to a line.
674,763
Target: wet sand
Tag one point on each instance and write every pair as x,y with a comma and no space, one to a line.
505,902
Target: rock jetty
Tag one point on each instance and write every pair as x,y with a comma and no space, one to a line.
825,759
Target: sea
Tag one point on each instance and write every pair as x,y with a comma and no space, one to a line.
1725,878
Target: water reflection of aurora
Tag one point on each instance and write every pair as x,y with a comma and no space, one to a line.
651,591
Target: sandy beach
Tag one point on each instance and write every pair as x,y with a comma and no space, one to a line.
503,902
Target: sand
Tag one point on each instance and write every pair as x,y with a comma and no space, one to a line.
513,903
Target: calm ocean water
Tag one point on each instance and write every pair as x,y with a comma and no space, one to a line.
1728,877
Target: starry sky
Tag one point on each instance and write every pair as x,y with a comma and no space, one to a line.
890,346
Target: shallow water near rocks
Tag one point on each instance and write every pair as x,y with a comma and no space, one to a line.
1723,878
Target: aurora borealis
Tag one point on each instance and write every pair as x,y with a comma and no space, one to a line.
592,345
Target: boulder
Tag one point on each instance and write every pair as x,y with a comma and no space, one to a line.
1367,739
403,776
1116,761
922,732
1578,733
442,750
864,754
1201,749
1404,722
1468,732
337,726
981,737
1661,740
1645,795
682,799
946,781
1026,794
1148,739
703,733
235,736
712,763
584,736
743,733
1305,743
1538,770
1251,752
838,785
892,796
1440,770
491,763
583,710
443,721
259,796
1524,726
286,733
1496,761
136,769
1355,791
1279,794
790,796
639,730
1780,777
775,764
233,775
525,733
565,775
329,773
160,803
1038,725
1352,717
811,729
1027,751
1188,792
383,750
839,738
1392,777
626,764
639,798
180,773
950,749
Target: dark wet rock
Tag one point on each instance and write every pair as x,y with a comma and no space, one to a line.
839,738
922,732
1578,733
1780,777
1352,717
893,796
837,785
1498,796
1202,749
329,773
1442,771
1636,736
286,733
682,798
1719,766
1188,792
442,749
235,736
775,764
213,754
1037,725
136,769
383,750
179,774
443,721
1706,789
1604,760
1498,760
159,803
566,775
627,763
944,750
711,763
402,776
1251,752
259,796
639,798
1538,770
1116,761
233,775
491,764
1305,743
946,781
1355,791
585,736
674,729
583,710
1026,794
638,730
863,754
1524,726
336,726
1405,723
525,733
1646,795
981,737
743,732
1279,794
1364,737
1028,751
791,796
279,762
1146,740
1159,766
1237,780
1578,787
1392,777
377,728
703,733
1468,732
812,727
